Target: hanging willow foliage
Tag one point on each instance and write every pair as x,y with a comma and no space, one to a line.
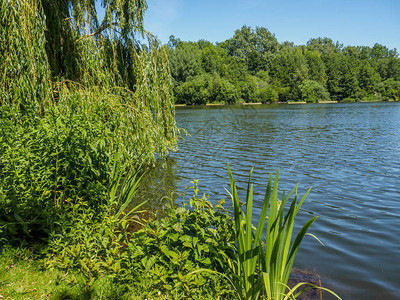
24,69
57,55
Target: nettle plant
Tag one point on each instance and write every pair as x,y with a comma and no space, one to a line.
163,254
192,236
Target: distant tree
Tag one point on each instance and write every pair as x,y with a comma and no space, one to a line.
316,67
323,45
289,69
348,82
286,44
389,89
262,80
394,68
234,69
212,59
332,65
254,62
248,89
313,91
206,88
268,94
204,44
194,91
223,91
368,78
264,76
256,47
379,52
388,68
185,61
173,42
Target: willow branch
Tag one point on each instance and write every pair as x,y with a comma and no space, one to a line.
99,30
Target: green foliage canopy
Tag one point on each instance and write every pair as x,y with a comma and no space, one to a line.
313,91
259,68
54,53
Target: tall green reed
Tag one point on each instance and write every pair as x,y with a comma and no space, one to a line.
264,265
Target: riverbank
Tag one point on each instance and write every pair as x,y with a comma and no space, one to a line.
23,277
290,103
191,252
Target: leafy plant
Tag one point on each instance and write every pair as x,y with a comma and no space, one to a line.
263,266
192,236
91,242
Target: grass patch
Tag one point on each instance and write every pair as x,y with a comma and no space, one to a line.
22,276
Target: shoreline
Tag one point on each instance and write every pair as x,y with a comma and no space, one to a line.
290,103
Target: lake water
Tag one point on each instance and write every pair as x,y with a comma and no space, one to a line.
348,153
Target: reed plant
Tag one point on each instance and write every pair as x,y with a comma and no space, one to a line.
263,265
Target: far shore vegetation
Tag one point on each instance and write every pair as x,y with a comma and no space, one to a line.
252,66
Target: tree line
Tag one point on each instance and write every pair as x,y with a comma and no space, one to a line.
253,66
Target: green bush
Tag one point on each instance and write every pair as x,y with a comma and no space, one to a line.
313,91
268,94
165,254
194,91
248,89
47,165
389,89
370,98
223,91
206,89
194,235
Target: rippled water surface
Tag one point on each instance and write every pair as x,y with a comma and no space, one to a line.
348,153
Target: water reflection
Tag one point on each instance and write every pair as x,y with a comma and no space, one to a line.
158,183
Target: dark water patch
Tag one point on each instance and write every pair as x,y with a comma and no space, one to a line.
158,184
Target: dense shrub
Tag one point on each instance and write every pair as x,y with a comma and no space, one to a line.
194,91
268,94
48,165
248,89
313,91
206,89
165,254
223,91
389,89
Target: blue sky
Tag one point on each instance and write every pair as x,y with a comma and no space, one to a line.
351,22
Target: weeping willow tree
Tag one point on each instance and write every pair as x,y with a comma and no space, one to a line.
57,55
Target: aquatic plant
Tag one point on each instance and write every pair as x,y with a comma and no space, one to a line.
263,265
